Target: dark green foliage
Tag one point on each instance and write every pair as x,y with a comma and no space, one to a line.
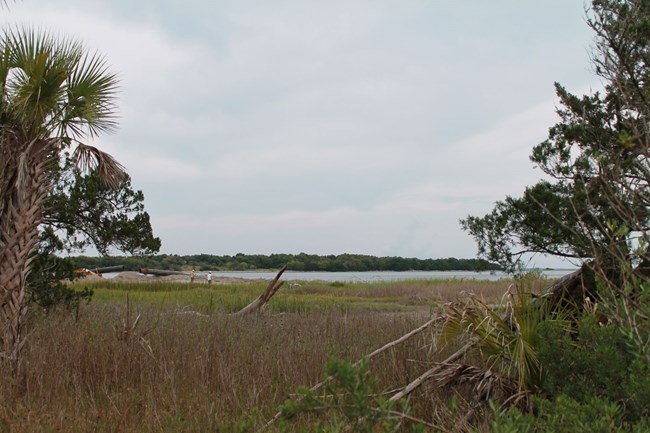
46,286
566,415
297,262
594,381
517,226
637,390
590,361
82,212
580,214
595,205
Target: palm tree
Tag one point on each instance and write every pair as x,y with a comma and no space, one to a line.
53,95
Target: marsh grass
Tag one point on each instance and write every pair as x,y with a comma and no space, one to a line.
306,296
188,367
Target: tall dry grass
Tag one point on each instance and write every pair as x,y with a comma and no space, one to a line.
177,370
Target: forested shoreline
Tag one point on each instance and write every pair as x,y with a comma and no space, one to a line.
296,262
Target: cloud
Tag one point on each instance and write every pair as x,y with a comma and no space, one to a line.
327,127
418,219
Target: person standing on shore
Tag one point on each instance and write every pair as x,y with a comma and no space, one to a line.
209,277
192,275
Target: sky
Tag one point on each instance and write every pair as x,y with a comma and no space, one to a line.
327,127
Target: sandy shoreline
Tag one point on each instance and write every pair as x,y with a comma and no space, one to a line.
179,278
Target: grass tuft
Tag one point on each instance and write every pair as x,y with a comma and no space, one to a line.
164,357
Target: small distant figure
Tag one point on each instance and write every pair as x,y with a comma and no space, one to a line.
192,275
209,277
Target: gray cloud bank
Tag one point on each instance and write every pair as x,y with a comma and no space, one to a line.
327,127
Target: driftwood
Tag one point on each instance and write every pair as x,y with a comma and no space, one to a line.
160,272
108,269
261,300
433,371
258,303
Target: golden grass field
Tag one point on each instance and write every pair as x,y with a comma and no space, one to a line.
168,357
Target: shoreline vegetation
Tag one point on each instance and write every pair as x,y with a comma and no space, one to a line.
171,357
295,262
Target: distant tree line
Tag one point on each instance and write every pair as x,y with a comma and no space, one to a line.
296,262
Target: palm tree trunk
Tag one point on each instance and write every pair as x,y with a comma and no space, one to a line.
21,214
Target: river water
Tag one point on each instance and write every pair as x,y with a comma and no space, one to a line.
378,276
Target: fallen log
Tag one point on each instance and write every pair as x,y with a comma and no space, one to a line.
160,272
107,269
571,291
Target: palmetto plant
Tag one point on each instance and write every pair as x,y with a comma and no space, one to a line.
506,337
53,95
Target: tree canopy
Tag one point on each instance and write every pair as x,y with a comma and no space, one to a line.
296,262
593,205
82,212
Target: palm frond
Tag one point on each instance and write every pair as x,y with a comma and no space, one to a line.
36,80
487,384
5,65
111,173
90,99
507,334
55,88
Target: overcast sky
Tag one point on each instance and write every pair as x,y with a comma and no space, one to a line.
327,127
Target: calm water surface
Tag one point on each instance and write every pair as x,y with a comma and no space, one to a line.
373,276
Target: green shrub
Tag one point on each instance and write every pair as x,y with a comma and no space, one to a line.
593,364
46,286
566,415
591,361
349,402
637,386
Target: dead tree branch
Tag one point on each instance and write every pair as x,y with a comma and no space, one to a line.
372,354
266,295
432,371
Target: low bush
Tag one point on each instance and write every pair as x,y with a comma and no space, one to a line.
594,381
566,415
590,360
